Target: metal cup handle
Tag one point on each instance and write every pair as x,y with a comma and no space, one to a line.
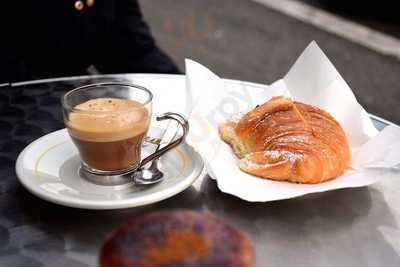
185,128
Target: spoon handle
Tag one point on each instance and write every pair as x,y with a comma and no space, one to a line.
168,136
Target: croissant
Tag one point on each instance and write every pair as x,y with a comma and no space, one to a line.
290,141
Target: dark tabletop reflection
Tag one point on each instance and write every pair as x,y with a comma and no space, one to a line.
311,230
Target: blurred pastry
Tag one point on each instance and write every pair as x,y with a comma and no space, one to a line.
286,140
176,238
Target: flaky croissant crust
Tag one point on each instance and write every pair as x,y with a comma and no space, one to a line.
288,141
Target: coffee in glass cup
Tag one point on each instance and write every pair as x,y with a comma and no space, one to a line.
107,123
109,140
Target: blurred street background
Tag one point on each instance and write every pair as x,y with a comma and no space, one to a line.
258,40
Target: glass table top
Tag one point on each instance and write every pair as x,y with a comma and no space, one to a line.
349,227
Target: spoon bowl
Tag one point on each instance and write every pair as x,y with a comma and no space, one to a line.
147,176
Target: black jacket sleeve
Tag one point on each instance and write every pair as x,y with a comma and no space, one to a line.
12,67
130,46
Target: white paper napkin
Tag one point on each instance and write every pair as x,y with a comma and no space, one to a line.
313,80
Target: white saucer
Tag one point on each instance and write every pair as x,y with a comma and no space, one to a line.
48,168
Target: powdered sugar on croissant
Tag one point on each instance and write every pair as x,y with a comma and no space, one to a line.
288,141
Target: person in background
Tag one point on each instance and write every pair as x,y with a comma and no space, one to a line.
59,38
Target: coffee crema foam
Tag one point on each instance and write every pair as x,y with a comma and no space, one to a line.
108,120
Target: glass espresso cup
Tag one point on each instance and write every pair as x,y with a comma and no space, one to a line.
108,122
